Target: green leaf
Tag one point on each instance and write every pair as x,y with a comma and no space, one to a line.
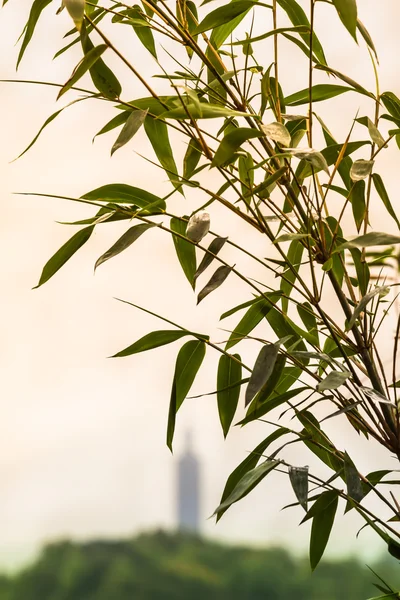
232,142
353,481
114,122
392,104
319,92
284,328
235,309
298,17
257,311
333,380
201,110
380,188
185,251
357,199
307,315
361,306
208,257
373,238
271,403
278,133
263,367
191,159
198,226
321,527
294,256
103,78
152,340
157,132
122,193
347,11
144,32
64,254
248,482
124,242
228,378
360,169
299,479
316,159
216,280
354,84
365,33
224,14
82,67
273,32
36,10
248,464
132,126
373,131
188,363
246,174
362,270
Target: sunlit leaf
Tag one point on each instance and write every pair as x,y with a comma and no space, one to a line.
124,242
333,380
64,254
224,14
198,226
360,169
76,10
278,133
314,157
122,193
152,340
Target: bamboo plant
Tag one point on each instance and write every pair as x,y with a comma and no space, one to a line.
284,175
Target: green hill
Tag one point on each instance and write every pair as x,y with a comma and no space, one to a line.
166,566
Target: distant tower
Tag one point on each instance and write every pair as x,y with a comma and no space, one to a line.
188,501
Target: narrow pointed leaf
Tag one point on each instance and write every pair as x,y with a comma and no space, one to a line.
380,188
247,484
124,242
294,256
367,37
298,17
132,126
216,280
319,92
152,340
224,14
373,238
191,159
36,10
273,32
208,257
320,531
83,66
228,378
188,363
278,133
358,204
270,404
257,311
248,464
186,252
353,481
64,254
122,193
157,132
262,370
361,306
299,479
333,380
347,11
232,142
103,78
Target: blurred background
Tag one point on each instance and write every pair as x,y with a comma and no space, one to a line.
84,468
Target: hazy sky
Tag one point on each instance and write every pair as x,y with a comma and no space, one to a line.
83,437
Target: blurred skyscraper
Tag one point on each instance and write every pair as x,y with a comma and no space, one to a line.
188,489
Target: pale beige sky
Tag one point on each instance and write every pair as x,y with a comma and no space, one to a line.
83,437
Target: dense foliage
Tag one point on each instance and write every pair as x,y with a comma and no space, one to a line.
164,566
287,179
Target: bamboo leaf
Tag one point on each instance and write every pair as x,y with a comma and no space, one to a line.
257,311
64,254
298,17
124,242
373,238
122,193
380,188
36,10
271,403
294,256
278,133
361,306
157,132
152,340
82,67
228,389
357,199
232,142
299,479
248,482
273,32
188,362
347,11
191,159
321,528
132,126
76,10
262,370
319,92
224,14
333,380
103,78
315,158
185,251
248,464
208,257
353,481
216,280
